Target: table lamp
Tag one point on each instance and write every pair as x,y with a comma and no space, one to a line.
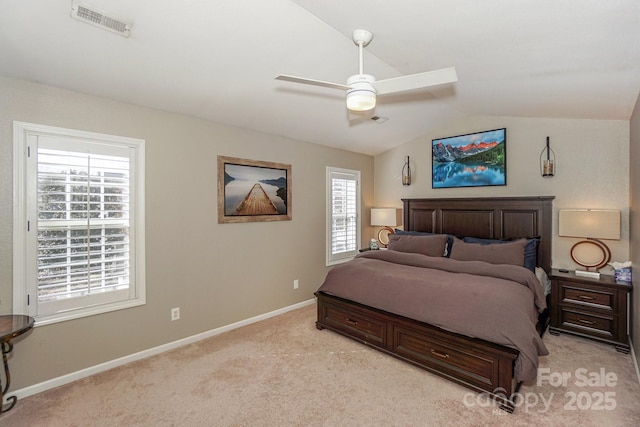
592,225
385,218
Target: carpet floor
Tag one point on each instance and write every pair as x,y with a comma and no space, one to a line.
284,372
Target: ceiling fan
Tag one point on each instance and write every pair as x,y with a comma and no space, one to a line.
361,89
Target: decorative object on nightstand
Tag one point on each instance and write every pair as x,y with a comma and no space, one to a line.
547,161
406,172
373,245
595,308
385,218
592,224
621,271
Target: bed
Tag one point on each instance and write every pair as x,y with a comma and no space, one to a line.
488,359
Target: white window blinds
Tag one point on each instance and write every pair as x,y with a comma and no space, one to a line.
343,214
82,224
78,222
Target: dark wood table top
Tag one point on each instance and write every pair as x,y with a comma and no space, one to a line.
12,325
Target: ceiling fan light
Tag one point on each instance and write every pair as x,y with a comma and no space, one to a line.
361,96
361,100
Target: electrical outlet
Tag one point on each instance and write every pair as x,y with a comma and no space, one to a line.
295,284
175,313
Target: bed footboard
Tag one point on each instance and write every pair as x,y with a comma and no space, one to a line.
477,364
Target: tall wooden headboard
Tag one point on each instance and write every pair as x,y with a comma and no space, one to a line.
485,217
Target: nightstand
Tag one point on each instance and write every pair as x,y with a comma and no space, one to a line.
591,308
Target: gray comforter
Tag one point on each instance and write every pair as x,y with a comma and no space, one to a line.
496,303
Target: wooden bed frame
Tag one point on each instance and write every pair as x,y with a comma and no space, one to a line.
477,364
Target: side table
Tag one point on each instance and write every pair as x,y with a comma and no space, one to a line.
591,308
10,327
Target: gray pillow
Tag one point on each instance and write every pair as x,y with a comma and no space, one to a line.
430,245
504,253
530,249
426,233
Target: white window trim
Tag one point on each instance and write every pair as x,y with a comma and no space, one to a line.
332,259
23,134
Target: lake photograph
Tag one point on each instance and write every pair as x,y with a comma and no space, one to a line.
470,160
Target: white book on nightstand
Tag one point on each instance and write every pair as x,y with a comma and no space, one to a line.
584,273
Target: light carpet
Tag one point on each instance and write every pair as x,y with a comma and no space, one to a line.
284,372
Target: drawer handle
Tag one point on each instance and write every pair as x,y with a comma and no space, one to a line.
353,322
437,353
587,322
586,297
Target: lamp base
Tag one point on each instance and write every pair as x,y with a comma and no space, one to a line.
591,274
584,255
383,236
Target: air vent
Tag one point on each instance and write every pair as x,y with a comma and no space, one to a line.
91,16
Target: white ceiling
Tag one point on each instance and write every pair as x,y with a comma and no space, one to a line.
218,60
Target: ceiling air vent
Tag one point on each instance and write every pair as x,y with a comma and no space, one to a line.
91,16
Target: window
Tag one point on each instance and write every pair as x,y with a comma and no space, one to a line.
343,214
78,222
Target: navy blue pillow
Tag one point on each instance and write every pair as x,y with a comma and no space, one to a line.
530,249
447,249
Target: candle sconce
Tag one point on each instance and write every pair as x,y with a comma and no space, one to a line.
547,161
406,172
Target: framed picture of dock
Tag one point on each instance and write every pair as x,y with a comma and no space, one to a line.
253,190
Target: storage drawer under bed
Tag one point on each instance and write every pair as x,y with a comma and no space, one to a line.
356,323
474,366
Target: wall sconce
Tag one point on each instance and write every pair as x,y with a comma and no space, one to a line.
593,225
385,218
547,161
406,172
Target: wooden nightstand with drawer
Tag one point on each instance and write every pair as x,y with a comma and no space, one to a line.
591,308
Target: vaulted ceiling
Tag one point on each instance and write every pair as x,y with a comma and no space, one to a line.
218,60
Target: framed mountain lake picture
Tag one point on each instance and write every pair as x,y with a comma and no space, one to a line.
252,190
472,160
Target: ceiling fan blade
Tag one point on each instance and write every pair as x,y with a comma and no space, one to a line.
313,82
416,81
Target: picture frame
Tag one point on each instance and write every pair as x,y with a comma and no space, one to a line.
253,190
476,159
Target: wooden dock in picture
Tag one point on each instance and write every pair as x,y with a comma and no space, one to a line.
256,202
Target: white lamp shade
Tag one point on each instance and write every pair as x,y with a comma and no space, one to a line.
383,217
594,223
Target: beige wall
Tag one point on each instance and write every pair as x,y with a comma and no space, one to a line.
634,225
592,170
216,274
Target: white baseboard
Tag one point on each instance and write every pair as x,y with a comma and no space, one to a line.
74,376
635,360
